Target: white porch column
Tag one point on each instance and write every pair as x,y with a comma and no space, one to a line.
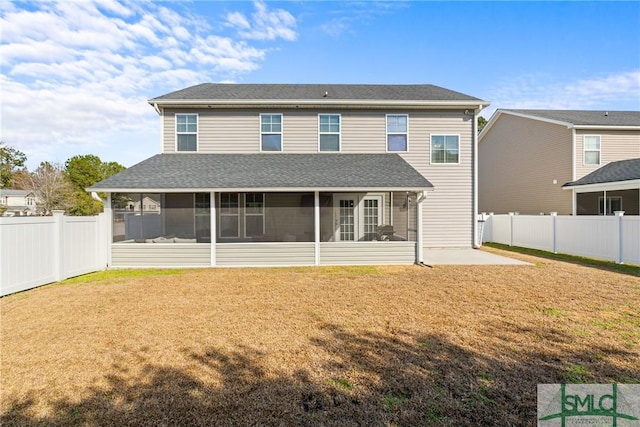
316,225
109,227
214,232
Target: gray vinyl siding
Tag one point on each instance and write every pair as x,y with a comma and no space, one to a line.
614,145
364,132
447,214
160,255
519,159
367,253
239,131
264,254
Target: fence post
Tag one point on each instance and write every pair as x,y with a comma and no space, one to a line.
57,252
554,218
490,223
619,215
511,215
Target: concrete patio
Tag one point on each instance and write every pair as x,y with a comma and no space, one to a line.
466,257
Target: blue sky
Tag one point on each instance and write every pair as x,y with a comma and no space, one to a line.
76,75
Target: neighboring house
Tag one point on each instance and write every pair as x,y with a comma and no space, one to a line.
307,174
17,202
526,156
613,187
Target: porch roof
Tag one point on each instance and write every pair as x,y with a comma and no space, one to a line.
614,172
177,172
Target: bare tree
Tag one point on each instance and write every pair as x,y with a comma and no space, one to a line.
51,185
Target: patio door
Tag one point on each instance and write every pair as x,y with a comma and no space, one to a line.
357,218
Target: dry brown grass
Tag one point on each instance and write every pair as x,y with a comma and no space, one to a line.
384,346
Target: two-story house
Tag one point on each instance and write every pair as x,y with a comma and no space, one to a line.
17,202
566,161
299,174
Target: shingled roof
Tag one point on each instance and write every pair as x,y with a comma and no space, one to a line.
285,172
623,170
585,117
315,92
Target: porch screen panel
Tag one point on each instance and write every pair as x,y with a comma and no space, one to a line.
265,217
161,218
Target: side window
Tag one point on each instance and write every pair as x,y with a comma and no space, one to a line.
397,130
186,132
329,132
445,149
270,132
592,150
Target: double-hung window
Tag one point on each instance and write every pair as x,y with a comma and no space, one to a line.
329,132
271,132
445,149
592,149
397,129
186,132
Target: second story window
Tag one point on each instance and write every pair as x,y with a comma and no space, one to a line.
271,132
591,149
445,149
186,132
397,125
329,132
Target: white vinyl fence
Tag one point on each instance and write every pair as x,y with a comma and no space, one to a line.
614,238
37,250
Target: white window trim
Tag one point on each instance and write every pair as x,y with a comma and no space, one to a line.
175,119
370,196
386,139
244,217
358,212
339,133
607,203
229,215
584,151
272,133
431,162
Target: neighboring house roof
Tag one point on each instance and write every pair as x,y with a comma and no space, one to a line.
11,192
216,93
623,170
586,117
579,119
270,172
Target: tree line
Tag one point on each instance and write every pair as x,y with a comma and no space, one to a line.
55,185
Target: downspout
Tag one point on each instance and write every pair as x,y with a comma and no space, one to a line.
574,195
419,224
474,155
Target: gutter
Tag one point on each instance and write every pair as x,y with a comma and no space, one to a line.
258,190
306,103
601,186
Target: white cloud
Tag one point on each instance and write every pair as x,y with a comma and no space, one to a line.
265,24
351,13
542,92
76,75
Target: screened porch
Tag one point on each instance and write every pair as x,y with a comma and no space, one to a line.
265,228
